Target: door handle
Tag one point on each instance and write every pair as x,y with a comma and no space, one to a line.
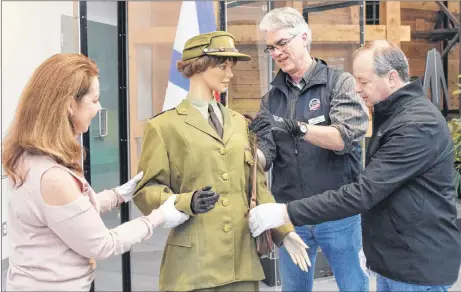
103,123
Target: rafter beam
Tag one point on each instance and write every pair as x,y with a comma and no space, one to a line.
436,34
248,34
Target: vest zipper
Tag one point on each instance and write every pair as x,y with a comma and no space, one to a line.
292,115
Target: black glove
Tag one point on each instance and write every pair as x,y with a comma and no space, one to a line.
203,200
260,125
266,119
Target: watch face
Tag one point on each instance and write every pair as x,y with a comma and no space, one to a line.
303,128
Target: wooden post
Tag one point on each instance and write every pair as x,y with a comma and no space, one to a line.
296,4
392,12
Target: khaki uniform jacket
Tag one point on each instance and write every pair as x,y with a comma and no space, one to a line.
182,153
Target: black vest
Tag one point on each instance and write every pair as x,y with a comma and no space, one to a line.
300,169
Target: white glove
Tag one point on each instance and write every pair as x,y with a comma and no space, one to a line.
296,248
267,216
126,190
171,216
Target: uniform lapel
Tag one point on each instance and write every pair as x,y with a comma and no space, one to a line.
228,126
195,119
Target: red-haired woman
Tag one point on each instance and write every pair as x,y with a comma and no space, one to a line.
54,219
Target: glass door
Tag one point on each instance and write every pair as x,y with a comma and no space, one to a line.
103,138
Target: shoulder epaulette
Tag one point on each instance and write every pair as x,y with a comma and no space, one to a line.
160,113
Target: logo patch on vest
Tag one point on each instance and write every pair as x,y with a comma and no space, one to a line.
314,104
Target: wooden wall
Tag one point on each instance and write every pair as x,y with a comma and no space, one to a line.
152,28
416,15
422,16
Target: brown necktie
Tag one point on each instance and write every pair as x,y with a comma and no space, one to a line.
213,121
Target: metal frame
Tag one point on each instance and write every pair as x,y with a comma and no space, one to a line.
84,51
230,4
330,5
123,115
83,31
223,26
335,5
448,35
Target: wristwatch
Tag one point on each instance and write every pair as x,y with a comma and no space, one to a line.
303,128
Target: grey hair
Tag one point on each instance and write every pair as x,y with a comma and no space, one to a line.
387,56
286,17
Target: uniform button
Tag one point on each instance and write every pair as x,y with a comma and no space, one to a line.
227,228
222,151
181,110
225,202
251,162
225,176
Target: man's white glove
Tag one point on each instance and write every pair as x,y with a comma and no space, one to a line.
267,216
171,216
296,248
126,190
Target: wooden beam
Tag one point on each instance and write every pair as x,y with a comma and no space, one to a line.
296,4
326,33
392,10
247,34
355,14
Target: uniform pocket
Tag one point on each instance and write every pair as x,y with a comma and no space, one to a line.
180,235
249,158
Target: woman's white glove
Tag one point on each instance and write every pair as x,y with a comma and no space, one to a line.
169,215
126,190
296,248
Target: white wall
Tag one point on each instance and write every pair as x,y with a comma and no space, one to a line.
31,34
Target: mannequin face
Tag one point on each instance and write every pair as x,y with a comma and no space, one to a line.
217,78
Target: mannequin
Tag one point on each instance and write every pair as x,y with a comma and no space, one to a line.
199,151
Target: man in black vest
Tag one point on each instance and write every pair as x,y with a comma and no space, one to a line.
333,122
406,192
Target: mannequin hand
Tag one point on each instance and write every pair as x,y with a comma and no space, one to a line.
267,216
169,215
126,190
296,248
203,200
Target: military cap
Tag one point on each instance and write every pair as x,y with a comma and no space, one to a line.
216,43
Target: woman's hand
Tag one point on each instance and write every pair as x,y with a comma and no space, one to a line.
92,263
167,215
126,190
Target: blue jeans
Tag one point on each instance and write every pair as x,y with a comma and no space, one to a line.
384,284
341,242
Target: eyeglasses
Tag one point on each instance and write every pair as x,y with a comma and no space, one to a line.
280,46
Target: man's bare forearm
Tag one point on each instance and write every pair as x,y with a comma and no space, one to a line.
327,137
